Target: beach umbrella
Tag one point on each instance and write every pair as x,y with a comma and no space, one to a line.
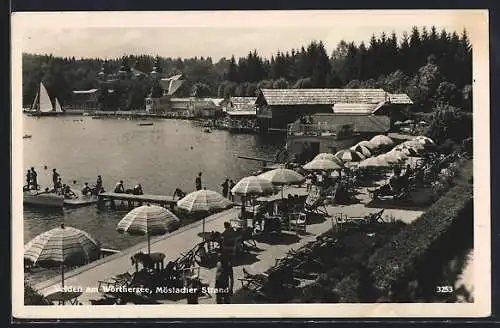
253,186
407,150
399,154
329,156
393,157
408,122
374,162
381,140
62,246
203,201
322,164
282,177
365,151
398,123
413,144
349,155
426,141
367,144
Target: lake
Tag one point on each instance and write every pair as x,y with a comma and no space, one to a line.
161,157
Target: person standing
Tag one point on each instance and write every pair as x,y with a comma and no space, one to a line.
225,188
98,184
231,186
28,179
55,177
224,281
198,181
34,179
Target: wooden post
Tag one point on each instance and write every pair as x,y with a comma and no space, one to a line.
112,204
100,202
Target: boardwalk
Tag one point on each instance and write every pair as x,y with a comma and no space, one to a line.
185,238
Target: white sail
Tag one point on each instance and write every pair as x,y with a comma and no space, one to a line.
58,106
34,106
45,105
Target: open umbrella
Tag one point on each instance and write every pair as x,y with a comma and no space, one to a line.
282,177
329,156
374,162
349,155
413,144
426,141
322,164
253,186
367,144
381,140
407,150
393,157
408,122
149,220
204,201
398,123
62,246
365,151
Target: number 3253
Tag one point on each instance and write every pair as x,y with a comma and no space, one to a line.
444,289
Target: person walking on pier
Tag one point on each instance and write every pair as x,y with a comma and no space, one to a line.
198,181
225,188
34,180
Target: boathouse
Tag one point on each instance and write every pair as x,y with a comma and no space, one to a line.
160,99
239,103
85,100
276,108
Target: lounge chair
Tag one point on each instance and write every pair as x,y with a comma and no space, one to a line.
254,282
298,222
315,202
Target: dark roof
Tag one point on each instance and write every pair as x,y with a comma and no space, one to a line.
361,123
322,96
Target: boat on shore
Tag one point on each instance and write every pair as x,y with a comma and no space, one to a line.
207,130
145,123
26,136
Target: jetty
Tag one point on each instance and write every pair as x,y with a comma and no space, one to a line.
131,199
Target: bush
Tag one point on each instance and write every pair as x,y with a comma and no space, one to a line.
32,297
391,263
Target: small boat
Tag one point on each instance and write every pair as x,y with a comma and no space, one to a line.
26,136
42,105
40,198
207,130
145,123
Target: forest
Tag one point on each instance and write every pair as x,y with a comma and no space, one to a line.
433,67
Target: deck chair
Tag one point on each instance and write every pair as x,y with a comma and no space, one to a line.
120,280
298,223
315,202
253,282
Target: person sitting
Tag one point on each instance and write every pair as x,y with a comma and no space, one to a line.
68,193
58,186
119,188
179,193
86,189
394,180
138,190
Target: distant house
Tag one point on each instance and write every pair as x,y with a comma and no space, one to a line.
238,103
161,104
278,107
84,100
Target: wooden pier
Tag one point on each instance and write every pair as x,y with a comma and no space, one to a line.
132,200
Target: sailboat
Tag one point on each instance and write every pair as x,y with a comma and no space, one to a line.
42,106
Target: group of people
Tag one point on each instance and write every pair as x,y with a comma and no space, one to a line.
227,185
120,189
32,180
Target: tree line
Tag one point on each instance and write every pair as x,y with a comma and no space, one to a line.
433,68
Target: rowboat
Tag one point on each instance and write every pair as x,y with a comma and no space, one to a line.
145,123
26,136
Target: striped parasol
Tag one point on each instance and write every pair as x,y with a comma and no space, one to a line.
393,157
203,201
374,162
407,150
62,246
330,157
413,144
149,220
253,186
349,155
367,144
282,177
365,151
426,141
322,164
381,140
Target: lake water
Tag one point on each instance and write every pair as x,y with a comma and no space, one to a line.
161,157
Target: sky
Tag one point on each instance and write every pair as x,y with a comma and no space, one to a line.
216,34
